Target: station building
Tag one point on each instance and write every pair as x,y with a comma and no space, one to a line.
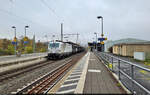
128,49
110,43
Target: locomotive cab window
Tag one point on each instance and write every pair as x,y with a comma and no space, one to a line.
54,45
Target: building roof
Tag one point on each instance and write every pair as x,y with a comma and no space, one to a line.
134,43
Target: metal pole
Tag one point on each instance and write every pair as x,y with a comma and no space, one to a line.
15,39
102,28
15,42
96,40
132,76
47,43
15,32
102,35
77,38
61,31
34,43
102,31
102,45
25,31
24,38
112,63
119,68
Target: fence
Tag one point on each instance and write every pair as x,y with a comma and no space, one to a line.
136,78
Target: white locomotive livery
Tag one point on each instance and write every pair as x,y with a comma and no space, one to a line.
58,49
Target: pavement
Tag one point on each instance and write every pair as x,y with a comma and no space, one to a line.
89,75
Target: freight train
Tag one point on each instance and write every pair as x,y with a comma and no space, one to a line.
58,49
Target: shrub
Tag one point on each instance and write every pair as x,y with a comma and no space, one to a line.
29,49
42,50
10,50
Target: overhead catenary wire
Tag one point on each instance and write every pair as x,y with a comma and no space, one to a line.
52,10
11,1
22,20
25,20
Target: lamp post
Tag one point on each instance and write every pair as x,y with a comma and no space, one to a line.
25,38
96,40
25,28
100,17
15,39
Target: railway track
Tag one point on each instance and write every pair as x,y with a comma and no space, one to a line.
19,71
14,73
43,84
19,78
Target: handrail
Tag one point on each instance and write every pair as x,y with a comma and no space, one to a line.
146,69
133,65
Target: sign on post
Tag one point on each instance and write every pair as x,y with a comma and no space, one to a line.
102,42
102,39
94,42
25,40
14,41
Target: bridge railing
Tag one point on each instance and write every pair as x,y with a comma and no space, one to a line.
128,73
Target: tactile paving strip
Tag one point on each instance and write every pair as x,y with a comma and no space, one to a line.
71,82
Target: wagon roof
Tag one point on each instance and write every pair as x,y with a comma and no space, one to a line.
68,42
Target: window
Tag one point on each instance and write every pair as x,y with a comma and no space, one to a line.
54,45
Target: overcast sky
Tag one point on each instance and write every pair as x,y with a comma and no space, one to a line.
122,18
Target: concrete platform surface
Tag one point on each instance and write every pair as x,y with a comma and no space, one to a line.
13,58
99,79
89,76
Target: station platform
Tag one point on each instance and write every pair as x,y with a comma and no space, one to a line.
4,60
89,75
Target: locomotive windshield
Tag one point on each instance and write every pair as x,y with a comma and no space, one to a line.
54,45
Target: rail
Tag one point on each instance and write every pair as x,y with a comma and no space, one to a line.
116,66
48,78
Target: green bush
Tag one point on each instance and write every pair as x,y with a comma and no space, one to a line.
42,50
2,52
10,50
147,55
29,49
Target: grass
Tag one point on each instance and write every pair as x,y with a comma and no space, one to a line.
110,66
137,60
147,62
143,71
118,84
